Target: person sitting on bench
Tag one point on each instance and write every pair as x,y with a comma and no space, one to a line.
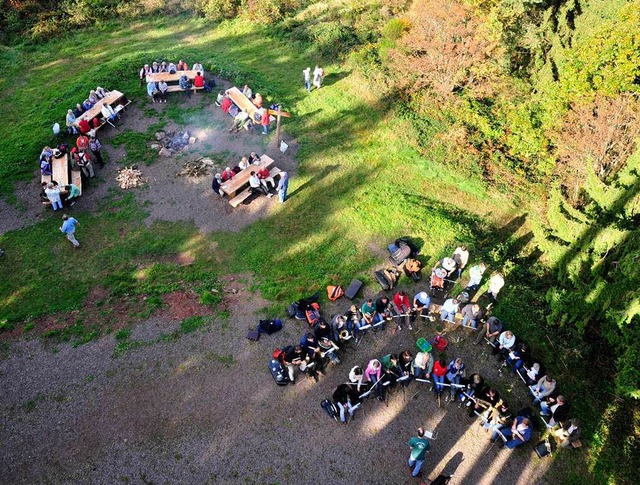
406,363
323,335
557,408
472,313
475,277
198,67
421,303
239,121
108,113
369,314
545,387
569,433
227,174
294,357
423,365
353,317
257,101
93,97
499,418
266,179
71,123
504,344
492,329
449,309
246,90
45,167
356,376
171,68
84,126
163,91
518,356
346,398
244,163
391,371
475,385
254,158
216,184
403,309
485,400
101,92
310,344
448,264
182,66
185,85
338,326
152,91
373,373
439,372
531,375
87,105
163,67
520,432
383,307
455,374
198,81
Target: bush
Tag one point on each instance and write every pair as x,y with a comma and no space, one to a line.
333,38
270,11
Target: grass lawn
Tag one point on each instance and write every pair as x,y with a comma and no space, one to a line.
361,182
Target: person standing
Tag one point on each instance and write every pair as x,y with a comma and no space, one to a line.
264,121
419,446
69,229
95,146
495,285
318,76
71,123
306,73
283,186
53,194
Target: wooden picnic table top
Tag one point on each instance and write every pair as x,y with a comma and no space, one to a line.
60,169
242,102
110,98
231,187
167,77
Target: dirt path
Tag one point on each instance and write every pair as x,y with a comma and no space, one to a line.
204,409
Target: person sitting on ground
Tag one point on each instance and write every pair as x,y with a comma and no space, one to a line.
439,372
246,90
504,344
412,268
227,174
461,257
323,335
520,432
152,91
71,123
403,308
569,433
216,184
266,179
356,376
182,66
421,304
78,110
198,81
545,387
383,307
254,158
455,374
492,330
471,315
255,186
239,121
171,68
495,285
198,68
144,72
225,104
449,309
346,398
310,344
423,365
53,194
475,277
294,357
108,112
257,101
373,373
93,97
485,400
185,85
101,92
557,408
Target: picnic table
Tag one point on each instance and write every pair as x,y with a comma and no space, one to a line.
60,173
111,98
242,102
231,187
167,77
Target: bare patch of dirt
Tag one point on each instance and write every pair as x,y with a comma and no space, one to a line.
182,304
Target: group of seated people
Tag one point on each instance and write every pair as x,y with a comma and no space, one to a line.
158,91
84,126
260,180
242,119
59,197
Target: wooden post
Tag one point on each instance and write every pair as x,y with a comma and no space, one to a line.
278,129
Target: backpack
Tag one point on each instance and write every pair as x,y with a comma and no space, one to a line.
269,326
278,354
334,292
330,408
292,310
381,278
399,252
278,372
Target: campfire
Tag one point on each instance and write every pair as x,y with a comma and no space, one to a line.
171,142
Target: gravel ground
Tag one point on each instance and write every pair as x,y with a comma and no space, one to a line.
181,412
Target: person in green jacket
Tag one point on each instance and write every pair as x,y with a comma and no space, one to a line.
419,446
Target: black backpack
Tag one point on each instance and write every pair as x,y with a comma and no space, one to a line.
269,326
330,408
381,278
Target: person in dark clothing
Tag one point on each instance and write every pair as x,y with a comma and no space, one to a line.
346,398
294,357
323,335
216,184
486,399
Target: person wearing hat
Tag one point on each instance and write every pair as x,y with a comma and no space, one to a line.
492,329
71,123
216,184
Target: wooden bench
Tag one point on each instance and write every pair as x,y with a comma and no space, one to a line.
167,77
246,193
174,88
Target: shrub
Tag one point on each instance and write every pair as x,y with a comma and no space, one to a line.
218,9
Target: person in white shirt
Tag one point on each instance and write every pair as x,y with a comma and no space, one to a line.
244,163
495,285
53,194
246,90
306,74
107,111
255,185
318,76
449,309
163,90
475,277
461,257
198,67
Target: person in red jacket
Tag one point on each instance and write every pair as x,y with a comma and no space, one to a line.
403,308
198,81
264,121
439,371
227,174
225,104
84,126
266,179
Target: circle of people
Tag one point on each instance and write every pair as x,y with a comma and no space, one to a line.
320,346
